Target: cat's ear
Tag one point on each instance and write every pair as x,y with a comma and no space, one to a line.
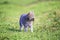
31,13
28,13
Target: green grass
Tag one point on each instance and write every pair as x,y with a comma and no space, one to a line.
44,24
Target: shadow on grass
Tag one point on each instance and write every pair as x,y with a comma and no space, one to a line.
14,30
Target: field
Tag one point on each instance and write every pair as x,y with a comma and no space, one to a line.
46,24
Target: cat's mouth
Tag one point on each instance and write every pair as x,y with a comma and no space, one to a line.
32,19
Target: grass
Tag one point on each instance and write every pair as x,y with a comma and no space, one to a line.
44,27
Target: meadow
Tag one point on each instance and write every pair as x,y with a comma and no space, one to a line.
46,24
